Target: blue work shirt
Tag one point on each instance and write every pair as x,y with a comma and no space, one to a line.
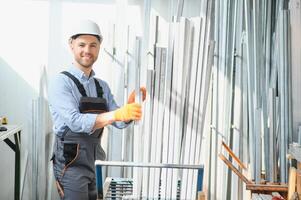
64,98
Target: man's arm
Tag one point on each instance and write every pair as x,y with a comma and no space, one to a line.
103,120
112,106
64,107
124,114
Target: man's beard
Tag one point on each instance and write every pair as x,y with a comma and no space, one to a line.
86,64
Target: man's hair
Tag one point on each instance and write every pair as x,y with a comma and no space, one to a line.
77,35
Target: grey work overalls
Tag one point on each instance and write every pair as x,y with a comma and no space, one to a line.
75,153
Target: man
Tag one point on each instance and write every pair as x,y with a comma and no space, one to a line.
81,106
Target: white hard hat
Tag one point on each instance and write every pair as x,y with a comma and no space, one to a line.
85,27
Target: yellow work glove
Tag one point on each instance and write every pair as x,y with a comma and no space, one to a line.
131,98
128,112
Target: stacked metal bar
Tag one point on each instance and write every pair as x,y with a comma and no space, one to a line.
178,78
118,188
39,133
250,93
181,69
294,52
248,90
179,87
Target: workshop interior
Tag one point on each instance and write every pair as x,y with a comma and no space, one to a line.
221,118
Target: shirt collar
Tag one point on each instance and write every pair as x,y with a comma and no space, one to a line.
80,74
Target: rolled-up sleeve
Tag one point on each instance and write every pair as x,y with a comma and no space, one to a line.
64,107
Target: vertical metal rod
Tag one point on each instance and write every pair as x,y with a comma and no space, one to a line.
268,133
160,124
272,137
283,140
188,140
288,136
148,129
257,66
137,140
173,109
180,7
155,155
203,104
236,99
299,135
124,132
223,103
250,86
207,64
166,174
215,109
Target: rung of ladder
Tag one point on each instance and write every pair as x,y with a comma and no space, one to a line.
234,156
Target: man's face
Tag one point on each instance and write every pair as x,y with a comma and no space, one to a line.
85,49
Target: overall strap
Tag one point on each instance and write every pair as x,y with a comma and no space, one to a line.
77,83
98,88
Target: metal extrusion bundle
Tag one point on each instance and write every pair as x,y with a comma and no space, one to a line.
251,109
232,67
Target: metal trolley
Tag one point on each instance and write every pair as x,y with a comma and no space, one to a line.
122,188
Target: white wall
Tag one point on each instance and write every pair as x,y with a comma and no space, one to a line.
23,50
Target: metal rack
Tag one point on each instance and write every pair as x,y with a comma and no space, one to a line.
122,188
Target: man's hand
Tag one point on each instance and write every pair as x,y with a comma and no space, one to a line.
128,112
131,98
